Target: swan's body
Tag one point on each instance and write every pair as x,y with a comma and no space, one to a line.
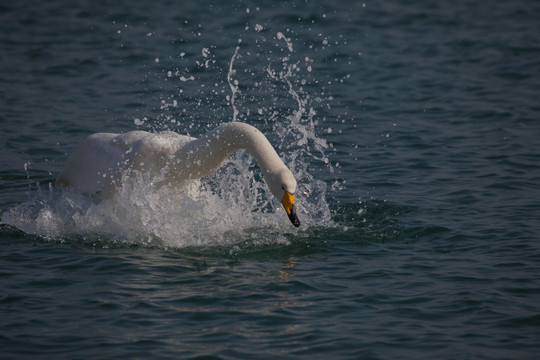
98,163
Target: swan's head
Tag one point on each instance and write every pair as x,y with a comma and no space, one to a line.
283,185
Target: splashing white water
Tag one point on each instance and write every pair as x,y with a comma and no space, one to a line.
233,84
230,207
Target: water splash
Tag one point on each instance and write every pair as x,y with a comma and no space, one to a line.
233,84
223,209
234,205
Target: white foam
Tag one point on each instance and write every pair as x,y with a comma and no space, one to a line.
225,209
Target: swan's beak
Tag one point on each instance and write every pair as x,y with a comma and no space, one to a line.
288,204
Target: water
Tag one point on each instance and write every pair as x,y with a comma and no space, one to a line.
412,130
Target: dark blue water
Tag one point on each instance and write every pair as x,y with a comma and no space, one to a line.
412,128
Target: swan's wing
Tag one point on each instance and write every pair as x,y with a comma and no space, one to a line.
91,162
97,162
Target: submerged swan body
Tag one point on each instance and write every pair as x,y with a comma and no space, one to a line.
96,166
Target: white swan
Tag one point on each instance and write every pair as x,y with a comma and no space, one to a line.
97,164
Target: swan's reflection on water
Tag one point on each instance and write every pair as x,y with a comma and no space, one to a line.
285,273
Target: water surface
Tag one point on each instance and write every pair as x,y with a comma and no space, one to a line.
412,130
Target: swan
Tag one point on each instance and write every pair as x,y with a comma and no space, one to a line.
97,164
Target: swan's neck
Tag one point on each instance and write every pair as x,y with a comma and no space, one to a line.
204,156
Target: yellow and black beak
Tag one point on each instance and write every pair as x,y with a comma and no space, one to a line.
288,203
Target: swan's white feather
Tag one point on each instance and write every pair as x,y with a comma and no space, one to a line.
97,163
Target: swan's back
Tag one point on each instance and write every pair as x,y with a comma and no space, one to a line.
96,165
